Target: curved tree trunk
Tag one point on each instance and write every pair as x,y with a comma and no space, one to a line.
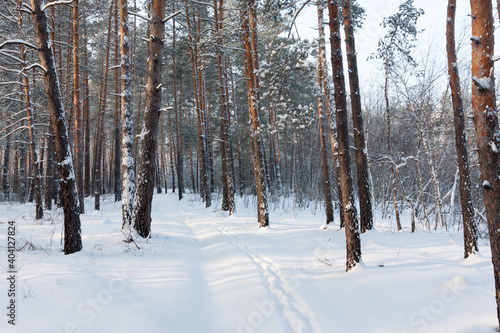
72,229
470,229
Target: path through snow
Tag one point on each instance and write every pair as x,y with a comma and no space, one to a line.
202,271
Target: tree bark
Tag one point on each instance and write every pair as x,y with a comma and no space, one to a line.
127,163
49,175
202,137
78,118
365,200
469,223
323,129
35,163
389,149
103,95
350,215
72,229
148,141
86,115
178,120
227,179
486,125
5,166
117,135
252,67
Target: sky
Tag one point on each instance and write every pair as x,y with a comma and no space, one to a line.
433,22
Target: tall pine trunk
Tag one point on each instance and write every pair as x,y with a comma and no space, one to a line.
77,104
470,229
117,135
178,120
227,179
202,134
252,67
323,129
486,125
5,166
127,164
353,242
35,163
365,199
86,116
72,229
103,95
148,141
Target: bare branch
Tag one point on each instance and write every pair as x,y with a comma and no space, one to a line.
11,83
18,41
61,2
140,16
33,66
201,3
171,16
295,17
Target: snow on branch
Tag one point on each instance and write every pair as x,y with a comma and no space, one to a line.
27,68
171,16
482,83
141,16
9,83
18,41
61,2
26,8
201,3
8,18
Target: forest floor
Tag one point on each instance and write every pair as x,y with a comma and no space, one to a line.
202,271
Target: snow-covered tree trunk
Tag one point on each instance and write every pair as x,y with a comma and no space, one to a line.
323,129
72,229
469,223
127,164
328,104
365,202
227,179
117,128
148,138
350,214
486,125
241,167
249,25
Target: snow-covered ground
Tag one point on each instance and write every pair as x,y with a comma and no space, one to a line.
202,271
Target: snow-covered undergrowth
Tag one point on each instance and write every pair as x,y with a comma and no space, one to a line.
202,271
